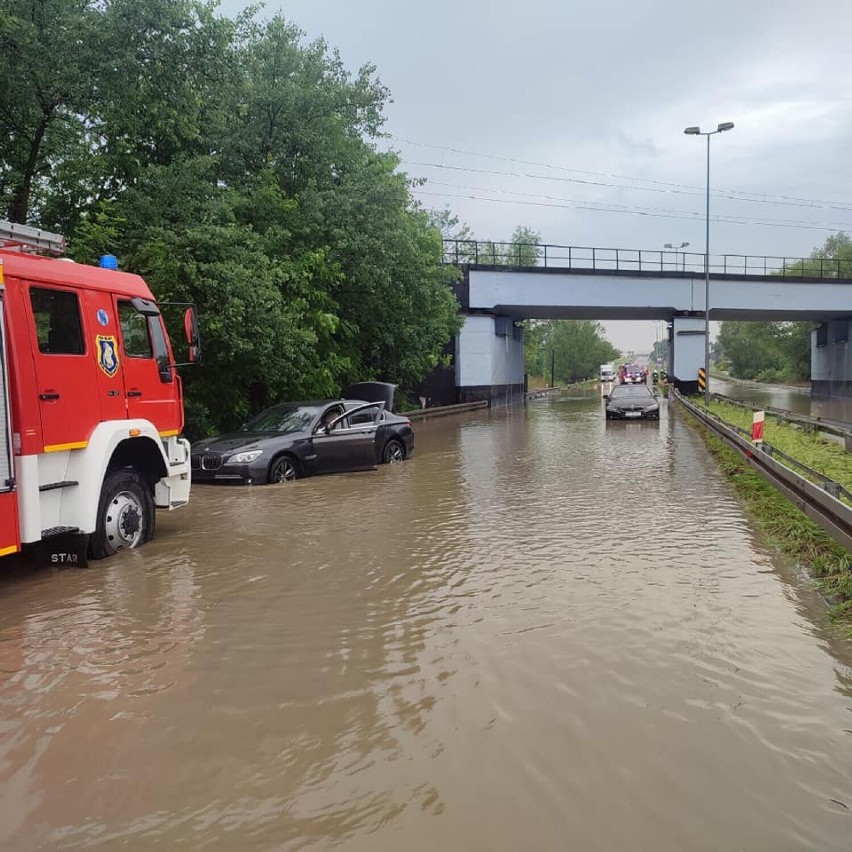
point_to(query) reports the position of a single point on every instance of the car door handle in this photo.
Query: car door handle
(134, 393)
(48, 396)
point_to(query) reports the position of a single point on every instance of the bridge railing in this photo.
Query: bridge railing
(583, 258)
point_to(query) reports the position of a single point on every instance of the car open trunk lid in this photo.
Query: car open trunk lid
(371, 392)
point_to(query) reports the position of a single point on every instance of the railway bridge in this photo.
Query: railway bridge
(502, 284)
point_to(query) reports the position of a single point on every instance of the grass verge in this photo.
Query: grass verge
(811, 448)
(786, 527)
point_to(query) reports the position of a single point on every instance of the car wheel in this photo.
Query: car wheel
(125, 514)
(393, 452)
(283, 470)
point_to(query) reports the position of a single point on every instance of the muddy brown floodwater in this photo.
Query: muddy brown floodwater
(543, 632)
(799, 400)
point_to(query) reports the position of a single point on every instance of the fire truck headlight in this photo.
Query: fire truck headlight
(246, 457)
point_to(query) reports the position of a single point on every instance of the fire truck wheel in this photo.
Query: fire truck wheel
(125, 514)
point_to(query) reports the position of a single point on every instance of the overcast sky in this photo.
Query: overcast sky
(607, 88)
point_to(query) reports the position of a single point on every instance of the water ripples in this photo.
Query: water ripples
(543, 630)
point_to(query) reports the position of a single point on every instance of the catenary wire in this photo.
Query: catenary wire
(586, 182)
(637, 208)
(584, 205)
(739, 195)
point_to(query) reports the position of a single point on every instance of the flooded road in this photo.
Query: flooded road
(542, 632)
(792, 399)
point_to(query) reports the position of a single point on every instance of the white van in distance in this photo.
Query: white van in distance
(607, 373)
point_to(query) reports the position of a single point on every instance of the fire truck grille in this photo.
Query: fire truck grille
(208, 461)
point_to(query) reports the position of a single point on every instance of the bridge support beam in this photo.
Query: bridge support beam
(489, 360)
(687, 353)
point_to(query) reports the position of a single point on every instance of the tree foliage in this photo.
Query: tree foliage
(234, 165)
(833, 259)
(781, 351)
(574, 348)
(522, 249)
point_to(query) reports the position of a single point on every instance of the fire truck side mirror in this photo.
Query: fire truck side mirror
(193, 337)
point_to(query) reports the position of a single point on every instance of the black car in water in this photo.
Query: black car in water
(295, 439)
(632, 402)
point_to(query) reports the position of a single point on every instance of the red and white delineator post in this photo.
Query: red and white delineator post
(757, 427)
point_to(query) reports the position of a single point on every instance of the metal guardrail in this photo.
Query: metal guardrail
(586, 258)
(542, 392)
(820, 502)
(811, 423)
(443, 410)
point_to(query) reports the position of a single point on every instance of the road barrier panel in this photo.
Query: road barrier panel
(443, 410)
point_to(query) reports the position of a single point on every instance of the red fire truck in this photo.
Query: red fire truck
(91, 405)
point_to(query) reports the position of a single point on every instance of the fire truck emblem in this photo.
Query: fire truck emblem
(107, 354)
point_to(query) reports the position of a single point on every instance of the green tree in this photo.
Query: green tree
(524, 247)
(48, 62)
(580, 348)
(236, 166)
(575, 348)
(460, 244)
(781, 351)
(751, 349)
(831, 260)
(536, 350)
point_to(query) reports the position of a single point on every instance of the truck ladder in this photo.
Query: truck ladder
(25, 237)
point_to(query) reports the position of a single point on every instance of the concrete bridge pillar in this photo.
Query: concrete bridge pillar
(831, 358)
(687, 352)
(489, 360)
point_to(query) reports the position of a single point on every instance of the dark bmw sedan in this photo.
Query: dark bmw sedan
(632, 402)
(295, 439)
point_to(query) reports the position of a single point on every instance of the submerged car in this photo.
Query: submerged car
(295, 439)
(632, 402)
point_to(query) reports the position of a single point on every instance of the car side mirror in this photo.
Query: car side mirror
(193, 336)
(606, 397)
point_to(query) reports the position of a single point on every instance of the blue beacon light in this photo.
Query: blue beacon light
(109, 261)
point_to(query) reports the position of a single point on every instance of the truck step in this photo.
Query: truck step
(48, 533)
(51, 485)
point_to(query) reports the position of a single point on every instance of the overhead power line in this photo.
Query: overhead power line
(584, 181)
(600, 208)
(738, 195)
(634, 207)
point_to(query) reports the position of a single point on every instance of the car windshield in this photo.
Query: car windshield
(283, 418)
(634, 391)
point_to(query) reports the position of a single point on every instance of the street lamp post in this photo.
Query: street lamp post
(676, 249)
(696, 131)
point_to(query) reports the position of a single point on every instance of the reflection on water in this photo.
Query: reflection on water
(791, 399)
(543, 631)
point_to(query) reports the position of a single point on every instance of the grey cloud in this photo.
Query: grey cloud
(609, 87)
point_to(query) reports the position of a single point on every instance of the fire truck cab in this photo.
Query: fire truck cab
(91, 405)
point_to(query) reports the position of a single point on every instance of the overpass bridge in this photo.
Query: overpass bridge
(504, 283)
